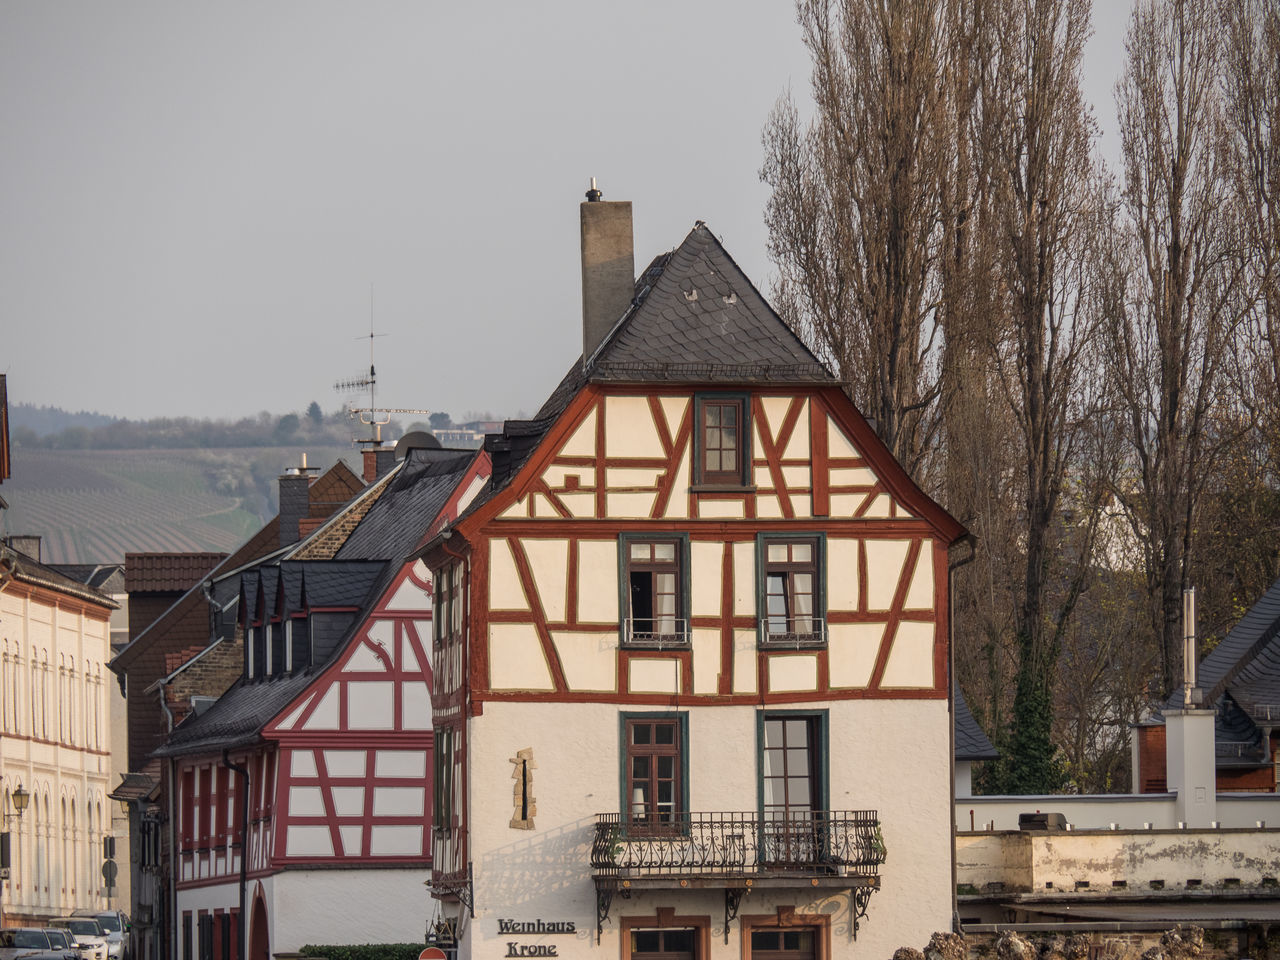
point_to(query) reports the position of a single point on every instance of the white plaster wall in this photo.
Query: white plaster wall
(348, 907)
(545, 873)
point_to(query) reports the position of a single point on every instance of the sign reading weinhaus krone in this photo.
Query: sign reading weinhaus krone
(507, 928)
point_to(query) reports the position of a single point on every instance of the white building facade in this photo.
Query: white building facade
(55, 741)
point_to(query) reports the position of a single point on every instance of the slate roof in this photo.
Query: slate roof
(361, 570)
(971, 742)
(414, 498)
(695, 318)
(31, 571)
(1241, 678)
(237, 718)
(96, 575)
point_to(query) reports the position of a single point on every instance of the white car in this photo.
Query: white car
(88, 933)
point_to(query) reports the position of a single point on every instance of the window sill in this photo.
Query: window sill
(651, 645)
(723, 488)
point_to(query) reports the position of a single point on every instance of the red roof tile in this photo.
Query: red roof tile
(167, 572)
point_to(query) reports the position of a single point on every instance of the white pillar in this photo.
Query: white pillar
(1190, 765)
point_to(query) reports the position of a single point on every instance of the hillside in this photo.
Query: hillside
(93, 506)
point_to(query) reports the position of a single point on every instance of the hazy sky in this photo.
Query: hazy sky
(195, 199)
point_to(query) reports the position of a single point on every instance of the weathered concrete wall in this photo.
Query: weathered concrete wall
(1094, 861)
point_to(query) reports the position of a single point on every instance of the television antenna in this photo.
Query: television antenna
(372, 416)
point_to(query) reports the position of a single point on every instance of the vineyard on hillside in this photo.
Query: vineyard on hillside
(93, 506)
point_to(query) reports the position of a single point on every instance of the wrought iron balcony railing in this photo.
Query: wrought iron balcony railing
(658, 632)
(801, 631)
(818, 843)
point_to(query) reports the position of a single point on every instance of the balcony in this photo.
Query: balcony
(737, 852)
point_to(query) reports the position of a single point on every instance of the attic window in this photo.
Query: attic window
(722, 455)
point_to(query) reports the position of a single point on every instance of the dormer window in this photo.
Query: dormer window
(277, 665)
(722, 454)
(298, 644)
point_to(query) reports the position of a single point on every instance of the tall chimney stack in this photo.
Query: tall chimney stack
(608, 267)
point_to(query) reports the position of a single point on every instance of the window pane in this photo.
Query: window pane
(729, 415)
(664, 551)
(713, 415)
(802, 552)
(640, 768)
(646, 941)
(797, 733)
(774, 795)
(666, 767)
(798, 791)
(777, 553)
(764, 940)
(642, 733)
(664, 733)
(666, 794)
(773, 763)
(639, 551)
(679, 941)
(773, 733)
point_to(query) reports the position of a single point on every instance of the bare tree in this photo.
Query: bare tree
(855, 214)
(1033, 137)
(1171, 342)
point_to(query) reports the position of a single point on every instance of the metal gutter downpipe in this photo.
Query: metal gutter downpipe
(952, 566)
(242, 934)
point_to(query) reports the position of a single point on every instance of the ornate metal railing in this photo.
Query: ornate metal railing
(733, 845)
(802, 631)
(658, 632)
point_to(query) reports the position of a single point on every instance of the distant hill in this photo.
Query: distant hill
(93, 506)
(44, 421)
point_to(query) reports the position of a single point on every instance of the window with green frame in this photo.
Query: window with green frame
(791, 580)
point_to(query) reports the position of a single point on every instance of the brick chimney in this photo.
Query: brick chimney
(377, 461)
(608, 267)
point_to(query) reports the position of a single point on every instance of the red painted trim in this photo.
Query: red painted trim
(709, 528)
(724, 682)
(887, 469)
(820, 469)
(895, 613)
(534, 599)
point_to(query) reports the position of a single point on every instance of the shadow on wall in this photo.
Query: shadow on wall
(547, 875)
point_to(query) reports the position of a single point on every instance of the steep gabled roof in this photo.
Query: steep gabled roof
(1248, 656)
(167, 572)
(1240, 678)
(697, 318)
(355, 574)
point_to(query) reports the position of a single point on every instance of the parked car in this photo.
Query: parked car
(88, 933)
(116, 925)
(64, 943)
(26, 943)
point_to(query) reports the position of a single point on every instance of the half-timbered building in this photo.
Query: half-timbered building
(317, 762)
(691, 651)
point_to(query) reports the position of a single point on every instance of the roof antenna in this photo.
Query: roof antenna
(372, 415)
(594, 195)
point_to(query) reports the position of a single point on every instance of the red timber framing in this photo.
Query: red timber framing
(909, 516)
(346, 779)
(211, 828)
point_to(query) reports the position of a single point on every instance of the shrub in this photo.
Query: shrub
(365, 951)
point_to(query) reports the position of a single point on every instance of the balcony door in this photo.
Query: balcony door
(792, 790)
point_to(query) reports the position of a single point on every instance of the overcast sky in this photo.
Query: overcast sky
(196, 199)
